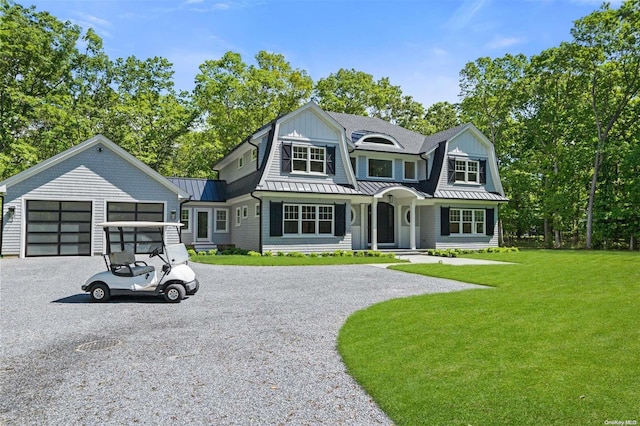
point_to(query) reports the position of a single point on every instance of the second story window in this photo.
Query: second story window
(466, 171)
(409, 170)
(380, 168)
(308, 159)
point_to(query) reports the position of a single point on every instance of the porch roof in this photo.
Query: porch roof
(307, 187)
(368, 187)
(201, 189)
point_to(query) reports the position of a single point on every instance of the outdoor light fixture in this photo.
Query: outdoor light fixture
(99, 149)
(173, 214)
(390, 199)
(11, 211)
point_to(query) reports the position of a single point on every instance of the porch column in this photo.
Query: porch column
(412, 225)
(363, 226)
(374, 224)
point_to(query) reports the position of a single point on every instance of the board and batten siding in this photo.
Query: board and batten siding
(466, 145)
(90, 175)
(304, 244)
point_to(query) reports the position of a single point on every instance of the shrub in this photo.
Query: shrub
(234, 251)
(359, 254)
(191, 252)
(296, 254)
(212, 252)
(348, 253)
(326, 254)
(338, 253)
(253, 253)
(313, 254)
(280, 253)
(268, 253)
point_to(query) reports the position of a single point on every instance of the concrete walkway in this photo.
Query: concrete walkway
(458, 261)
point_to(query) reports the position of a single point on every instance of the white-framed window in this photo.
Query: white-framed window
(410, 170)
(378, 168)
(254, 154)
(256, 211)
(238, 216)
(240, 161)
(308, 159)
(466, 221)
(303, 219)
(467, 171)
(354, 164)
(185, 216)
(221, 220)
(245, 212)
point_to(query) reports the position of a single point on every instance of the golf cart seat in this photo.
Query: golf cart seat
(124, 264)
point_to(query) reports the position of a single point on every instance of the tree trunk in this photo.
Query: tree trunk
(558, 239)
(500, 233)
(631, 243)
(592, 197)
(546, 232)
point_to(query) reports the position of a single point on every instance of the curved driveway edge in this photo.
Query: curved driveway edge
(256, 345)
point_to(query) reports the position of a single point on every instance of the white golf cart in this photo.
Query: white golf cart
(127, 276)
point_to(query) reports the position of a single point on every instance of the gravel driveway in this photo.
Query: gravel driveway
(256, 345)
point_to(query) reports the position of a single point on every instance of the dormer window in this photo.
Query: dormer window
(362, 137)
(464, 170)
(380, 168)
(467, 171)
(308, 159)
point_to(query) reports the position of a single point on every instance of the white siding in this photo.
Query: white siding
(89, 175)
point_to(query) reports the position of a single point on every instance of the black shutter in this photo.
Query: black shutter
(483, 171)
(286, 157)
(444, 221)
(331, 162)
(490, 218)
(275, 219)
(452, 170)
(341, 217)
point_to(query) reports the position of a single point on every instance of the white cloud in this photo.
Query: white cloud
(500, 42)
(465, 13)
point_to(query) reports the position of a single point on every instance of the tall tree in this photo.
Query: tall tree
(441, 116)
(356, 92)
(608, 56)
(236, 99)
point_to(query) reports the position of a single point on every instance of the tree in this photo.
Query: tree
(356, 92)
(441, 116)
(235, 99)
(608, 56)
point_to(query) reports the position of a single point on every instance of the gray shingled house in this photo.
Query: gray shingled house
(309, 181)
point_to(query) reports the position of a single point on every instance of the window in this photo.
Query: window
(410, 170)
(466, 221)
(254, 154)
(184, 219)
(467, 171)
(238, 216)
(308, 159)
(308, 219)
(380, 168)
(353, 165)
(222, 224)
(240, 162)
(245, 212)
(257, 210)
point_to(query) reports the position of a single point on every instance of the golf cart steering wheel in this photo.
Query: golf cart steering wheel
(155, 252)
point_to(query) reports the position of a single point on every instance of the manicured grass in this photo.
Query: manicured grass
(556, 341)
(290, 261)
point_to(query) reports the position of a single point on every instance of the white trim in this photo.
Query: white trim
(245, 211)
(256, 210)
(363, 140)
(393, 168)
(415, 170)
(241, 161)
(215, 221)
(238, 216)
(197, 210)
(189, 210)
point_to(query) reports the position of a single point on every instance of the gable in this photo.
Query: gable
(307, 125)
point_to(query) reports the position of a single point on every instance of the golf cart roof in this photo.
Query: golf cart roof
(138, 224)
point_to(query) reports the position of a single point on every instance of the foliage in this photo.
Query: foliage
(286, 260)
(556, 342)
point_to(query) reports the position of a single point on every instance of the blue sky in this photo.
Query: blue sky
(420, 45)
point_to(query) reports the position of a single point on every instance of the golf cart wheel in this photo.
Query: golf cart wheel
(174, 293)
(100, 292)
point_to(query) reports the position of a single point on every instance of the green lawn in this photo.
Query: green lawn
(556, 341)
(289, 261)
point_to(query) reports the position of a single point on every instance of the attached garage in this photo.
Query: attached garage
(54, 208)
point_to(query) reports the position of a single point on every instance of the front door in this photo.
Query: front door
(203, 230)
(386, 223)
